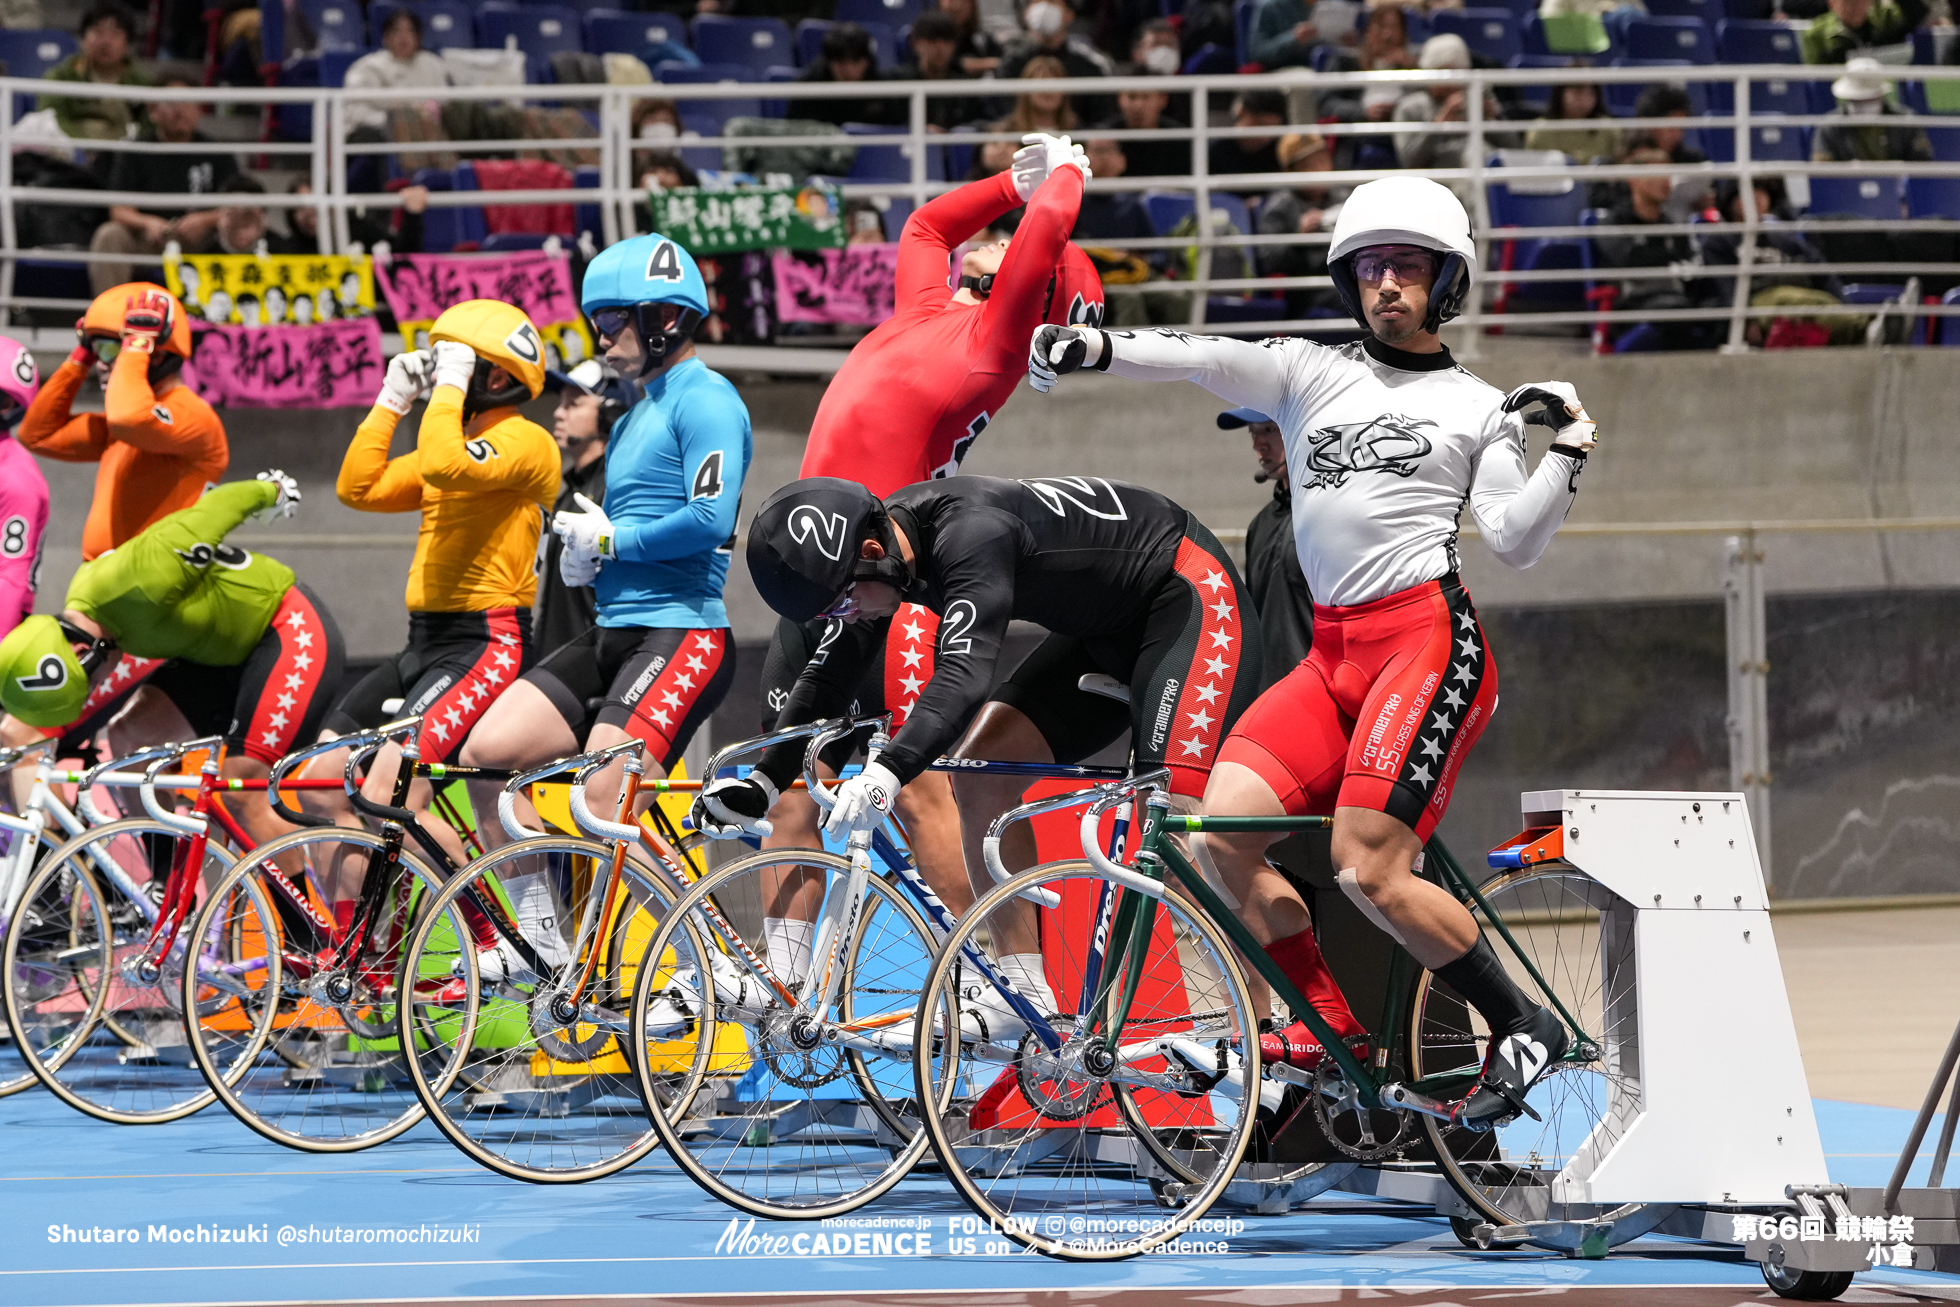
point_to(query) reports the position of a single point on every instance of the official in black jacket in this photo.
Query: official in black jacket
(1273, 578)
(590, 399)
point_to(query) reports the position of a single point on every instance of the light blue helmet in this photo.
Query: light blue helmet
(651, 282)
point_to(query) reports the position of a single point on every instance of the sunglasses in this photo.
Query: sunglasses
(105, 348)
(610, 322)
(1371, 267)
(845, 606)
(91, 651)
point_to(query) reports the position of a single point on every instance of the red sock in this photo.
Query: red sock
(1299, 957)
(343, 915)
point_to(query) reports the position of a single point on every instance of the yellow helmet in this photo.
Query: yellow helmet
(502, 336)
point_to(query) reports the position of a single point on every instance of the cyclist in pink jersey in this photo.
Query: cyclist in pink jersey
(23, 490)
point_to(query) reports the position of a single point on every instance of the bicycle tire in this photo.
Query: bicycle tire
(831, 1163)
(1505, 1175)
(100, 1068)
(14, 1081)
(337, 1087)
(1089, 1197)
(482, 1064)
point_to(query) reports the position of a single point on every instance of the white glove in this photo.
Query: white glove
(588, 532)
(409, 379)
(732, 807)
(288, 496)
(455, 364)
(1041, 154)
(576, 569)
(863, 802)
(1058, 350)
(1572, 431)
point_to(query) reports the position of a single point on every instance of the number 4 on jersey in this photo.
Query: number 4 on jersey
(707, 478)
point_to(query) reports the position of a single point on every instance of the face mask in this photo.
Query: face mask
(1865, 108)
(657, 129)
(1045, 19)
(1161, 60)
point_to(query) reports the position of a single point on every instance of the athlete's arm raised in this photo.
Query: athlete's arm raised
(50, 431)
(1517, 514)
(136, 417)
(504, 457)
(714, 442)
(937, 228)
(371, 481)
(1237, 371)
(1020, 295)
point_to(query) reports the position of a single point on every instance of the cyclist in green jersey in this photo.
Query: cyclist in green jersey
(238, 644)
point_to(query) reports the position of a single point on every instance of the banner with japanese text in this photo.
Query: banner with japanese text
(324, 365)
(750, 218)
(246, 290)
(418, 287)
(855, 285)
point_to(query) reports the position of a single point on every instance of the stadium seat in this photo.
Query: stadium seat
(446, 24)
(337, 24)
(1738, 41)
(1493, 33)
(1515, 208)
(707, 116)
(810, 34)
(1686, 39)
(1862, 197)
(512, 241)
(1945, 142)
(1537, 98)
(754, 43)
(30, 53)
(1774, 143)
(1416, 22)
(1243, 12)
(1933, 197)
(1621, 97)
(586, 217)
(892, 13)
(540, 31)
(653, 39)
(1949, 328)
(889, 163)
(1708, 11)
(1166, 209)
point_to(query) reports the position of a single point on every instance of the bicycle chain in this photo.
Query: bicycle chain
(1324, 1116)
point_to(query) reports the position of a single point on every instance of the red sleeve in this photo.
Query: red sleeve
(1020, 295)
(932, 233)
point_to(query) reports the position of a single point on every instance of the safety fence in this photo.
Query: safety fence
(1536, 234)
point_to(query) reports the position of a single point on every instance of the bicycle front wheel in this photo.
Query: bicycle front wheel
(1032, 1134)
(299, 1041)
(99, 1021)
(528, 1071)
(1579, 938)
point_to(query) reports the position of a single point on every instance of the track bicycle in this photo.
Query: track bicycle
(1154, 961)
(815, 1117)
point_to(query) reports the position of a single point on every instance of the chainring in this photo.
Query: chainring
(1324, 1115)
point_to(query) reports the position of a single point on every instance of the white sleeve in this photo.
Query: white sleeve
(1237, 371)
(1518, 515)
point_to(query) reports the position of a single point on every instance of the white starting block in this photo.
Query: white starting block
(1709, 1103)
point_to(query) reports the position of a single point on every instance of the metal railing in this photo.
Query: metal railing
(326, 153)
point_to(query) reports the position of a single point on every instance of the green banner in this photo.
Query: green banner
(750, 218)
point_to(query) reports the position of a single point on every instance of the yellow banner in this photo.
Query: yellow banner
(277, 290)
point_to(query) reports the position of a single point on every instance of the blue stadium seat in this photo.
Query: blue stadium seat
(446, 24)
(810, 33)
(336, 23)
(1243, 12)
(1949, 328)
(1773, 143)
(754, 43)
(1740, 41)
(893, 13)
(1166, 209)
(334, 65)
(1933, 197)
(653, 39)
(1670, 38)
(1537, 98)
(1493, 33)
(30, 53)
(1925, 46)
(1621, 97)
(1946, 143)
(586, 217)
(1863, 197)
(707, 116)
(1709, 11)
(470, 224)
(1870, 292)
(511, 241)
(1511, 208)
(889, 163)
(1415, 22)
(540, 31)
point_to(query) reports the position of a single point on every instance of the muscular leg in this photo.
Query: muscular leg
(379, 787)
(522, 729)
(1434, 927)
(17, 734)
(930, 815)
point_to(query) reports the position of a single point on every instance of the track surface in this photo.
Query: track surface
(650, 1231)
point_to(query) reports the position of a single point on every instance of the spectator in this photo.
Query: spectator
(239, 228)
(1855, 26)
(139, 231)
(1042, 111)
(1384, 47)
(935, 45)
(1303, 209)
(400, 228)
(847, 57)
(1048, 22)
(400, 64)
(1645, 205)
(1576, 102)
(1667, 100)
(1144, 111)
(1865, 137)
(669, 172)
(657, 123)
(1110, 215)
(975, 47)
(1283, 34)
(1250, 154)
(991, 159)
(1442, 103)
(1274, 580)
(1154, 53)
(1776, 245)
(106, 32)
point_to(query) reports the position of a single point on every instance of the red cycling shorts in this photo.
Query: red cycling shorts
(1381, 714)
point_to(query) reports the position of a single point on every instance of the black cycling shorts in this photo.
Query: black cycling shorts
(454, 666)
(658, 683)
(1192, 664)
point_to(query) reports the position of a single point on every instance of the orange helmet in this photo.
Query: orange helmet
(105, 316)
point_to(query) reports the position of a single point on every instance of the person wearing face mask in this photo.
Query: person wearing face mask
(591, 400)
(1155, 50)
(1047, 23)
(1872, 130)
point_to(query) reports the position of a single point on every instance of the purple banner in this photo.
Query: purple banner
(328, 365)
(852, 285)
(418, 287)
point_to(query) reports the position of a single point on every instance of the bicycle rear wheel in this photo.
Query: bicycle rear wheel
(1034, 1139)
(797, 1115)
(520, 1081)
(302, 1050)
(15, 871)
(101, 1030)
(1579, 937)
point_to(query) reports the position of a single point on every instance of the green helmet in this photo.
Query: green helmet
(41, 680)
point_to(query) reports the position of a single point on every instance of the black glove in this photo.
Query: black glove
(1573, 432)
(733, 807)
(1046, 361)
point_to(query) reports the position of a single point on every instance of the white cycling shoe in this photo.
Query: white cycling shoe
(986, 1019)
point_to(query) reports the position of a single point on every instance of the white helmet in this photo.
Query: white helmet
(1405, 211)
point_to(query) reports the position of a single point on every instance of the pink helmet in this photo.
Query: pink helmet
(19, 382)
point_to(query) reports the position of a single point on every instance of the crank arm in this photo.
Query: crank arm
(1407, 1099)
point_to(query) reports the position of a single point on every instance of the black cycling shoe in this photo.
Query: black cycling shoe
(1515, 1062)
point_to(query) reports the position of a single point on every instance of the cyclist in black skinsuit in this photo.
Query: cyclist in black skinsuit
(1128, 583)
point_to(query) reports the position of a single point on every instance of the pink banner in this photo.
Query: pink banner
(853, 285)
(328, 365)
(418, 287)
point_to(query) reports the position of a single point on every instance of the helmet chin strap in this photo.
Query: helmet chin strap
(982, 286)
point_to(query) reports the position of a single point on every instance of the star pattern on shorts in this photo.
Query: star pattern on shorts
(1207, 693)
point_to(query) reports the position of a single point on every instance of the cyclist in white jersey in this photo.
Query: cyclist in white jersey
(1387, 441)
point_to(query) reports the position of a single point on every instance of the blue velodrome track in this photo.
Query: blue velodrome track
(650, 1233)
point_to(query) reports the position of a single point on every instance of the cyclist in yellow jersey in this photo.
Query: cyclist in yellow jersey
(484, 479)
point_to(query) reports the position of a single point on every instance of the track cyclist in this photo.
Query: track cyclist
(23, 490)
(907, 406)
(232, 640)
(1386, 441)
(1129, 585)
(483, 477)
(656, 553)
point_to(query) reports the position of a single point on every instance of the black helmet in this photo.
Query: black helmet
(804, 546)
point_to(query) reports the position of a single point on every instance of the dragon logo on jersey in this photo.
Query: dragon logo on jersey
(1093, 495)
(1391, 443)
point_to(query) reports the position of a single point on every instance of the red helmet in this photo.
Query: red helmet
(1076, 297)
